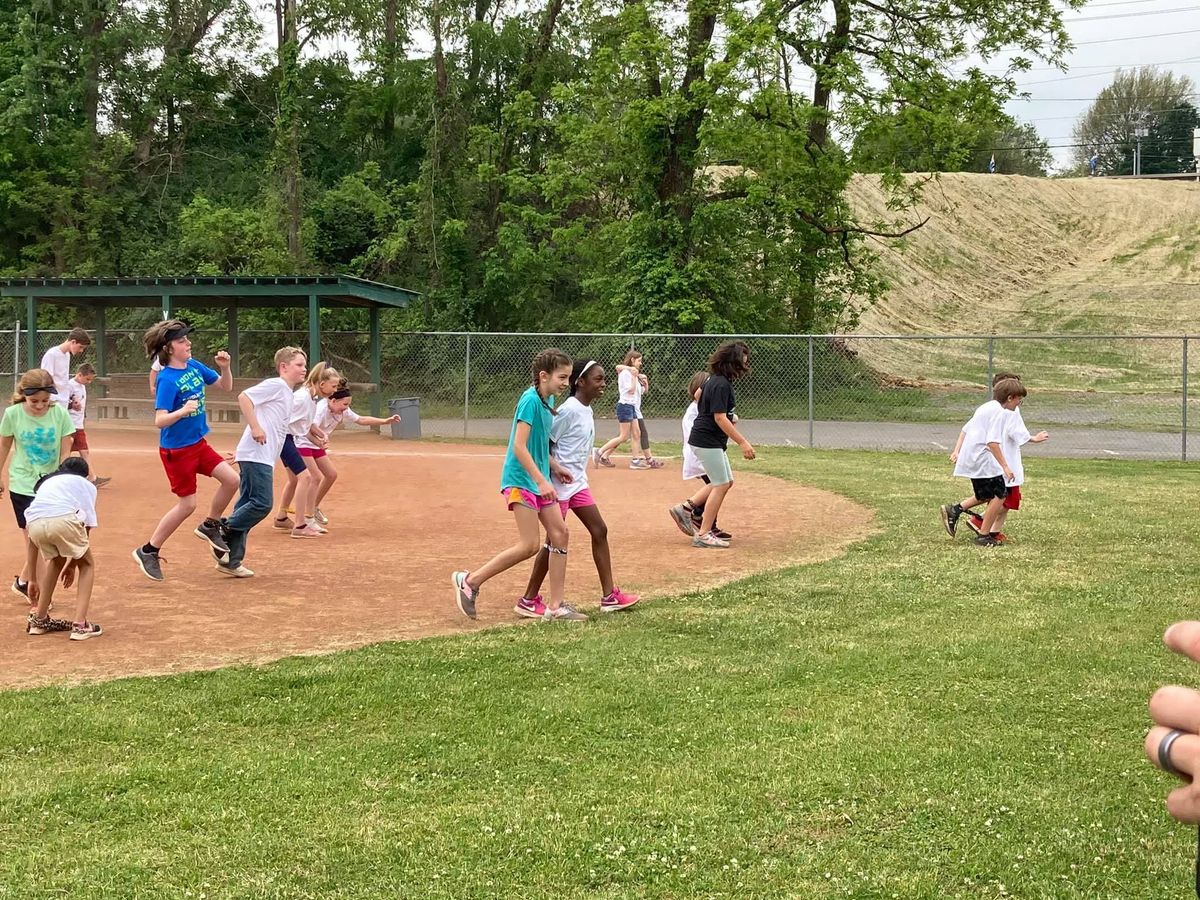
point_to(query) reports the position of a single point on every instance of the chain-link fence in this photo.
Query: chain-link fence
(1097, 395)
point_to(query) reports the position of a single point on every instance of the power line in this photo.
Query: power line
(1070, 99)
(1130, 15)
(1189, 59)
(1105, 115)
(1137, 37)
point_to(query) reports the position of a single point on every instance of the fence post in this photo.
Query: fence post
(810, 392)
(16, 352)
(467, 390)
(991, 362)
(1183, 445)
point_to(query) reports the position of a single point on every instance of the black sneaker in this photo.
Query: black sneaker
(987, 540)
(721, 533)
(21, 590)
(950, 513)
(215, 536)
(149, 564)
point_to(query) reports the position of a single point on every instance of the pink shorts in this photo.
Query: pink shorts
(314, 452)
(577, 501)
(515, 496)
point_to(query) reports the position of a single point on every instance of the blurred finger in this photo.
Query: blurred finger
(1184, 638)
(1183, 804)
(1173, 750)
(1176, 707)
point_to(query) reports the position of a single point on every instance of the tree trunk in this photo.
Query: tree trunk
(838, 43)
(289, 125)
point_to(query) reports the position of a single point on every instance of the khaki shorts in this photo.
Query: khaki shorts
(59, 536)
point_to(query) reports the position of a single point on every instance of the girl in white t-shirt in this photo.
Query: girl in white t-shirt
(301, 471)
(571, 437)
(629, 388)
(331, 412)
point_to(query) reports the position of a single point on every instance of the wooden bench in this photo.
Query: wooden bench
(125, 396)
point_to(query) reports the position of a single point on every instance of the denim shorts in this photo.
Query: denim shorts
(626, 412)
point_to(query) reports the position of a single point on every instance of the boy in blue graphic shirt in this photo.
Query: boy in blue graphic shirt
(179, 414)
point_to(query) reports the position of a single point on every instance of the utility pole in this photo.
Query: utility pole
(1196, 150)
(1140, 131)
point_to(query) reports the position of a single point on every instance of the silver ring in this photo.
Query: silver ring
(1164, 753)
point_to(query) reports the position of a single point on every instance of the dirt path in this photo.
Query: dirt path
(402, 517)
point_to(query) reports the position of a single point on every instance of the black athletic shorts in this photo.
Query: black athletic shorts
(20, 503)
(987, 488)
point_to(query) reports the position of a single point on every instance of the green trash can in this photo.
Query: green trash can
(409, 411)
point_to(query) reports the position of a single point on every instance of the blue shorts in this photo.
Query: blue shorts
(626, 412)
(291, 457)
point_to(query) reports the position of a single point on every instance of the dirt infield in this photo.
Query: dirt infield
(402, 516)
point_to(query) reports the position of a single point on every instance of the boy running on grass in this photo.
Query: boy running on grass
(267, 409)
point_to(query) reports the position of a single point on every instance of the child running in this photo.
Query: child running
(689, 514)
(331, 413)
(526, 488)
(712, 431)
(267, 409)
(302, 472)
(36, 431)
(571, 438)
(179, 414)
(77, 409)
(627, 414)
(60, 520)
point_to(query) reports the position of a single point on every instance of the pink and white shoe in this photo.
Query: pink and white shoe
(531, 608)
(709, 540)
(618, 600)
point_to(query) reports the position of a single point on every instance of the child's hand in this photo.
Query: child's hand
(190, 406)
(1040, 436)
(748, 450)
(68, 575)
(222, 358)
(546, 490)
(391, 420)
(259, 435)
(953, 456)
(560, 473)
(1008, 475)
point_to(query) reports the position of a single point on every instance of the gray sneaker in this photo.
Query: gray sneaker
(566, 613)
(216, 540)
(464, 595)
(149, 563)
(683, 518)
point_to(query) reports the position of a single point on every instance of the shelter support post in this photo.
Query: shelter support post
(376, 361)
(31, 346)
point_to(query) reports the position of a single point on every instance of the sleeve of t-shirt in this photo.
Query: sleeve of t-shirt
(999, 426)
(89, 513)
(527, 408)
(166, 392)
(720, 399)
(265, 390)
(210, 376)
(300, 407)
(7, 429)
(625, 381)
(156, 366)
(350, 415)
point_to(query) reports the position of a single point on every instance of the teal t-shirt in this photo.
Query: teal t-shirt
(530, 409)
(37, 442)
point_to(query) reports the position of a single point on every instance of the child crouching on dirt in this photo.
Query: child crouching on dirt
(58, 522)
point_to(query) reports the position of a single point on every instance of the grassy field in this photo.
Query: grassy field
(918, 718)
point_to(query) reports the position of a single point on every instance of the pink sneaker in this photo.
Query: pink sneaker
(617, 601)
(531, 609)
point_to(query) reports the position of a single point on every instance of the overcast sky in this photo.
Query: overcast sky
(1107, 35)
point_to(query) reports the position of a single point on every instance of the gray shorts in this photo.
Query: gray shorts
(716, 464)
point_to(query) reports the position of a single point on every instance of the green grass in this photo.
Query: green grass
(917, 718)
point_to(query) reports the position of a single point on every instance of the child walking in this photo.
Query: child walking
(302, 474)
(267, 409)
(571, 438)
(77, 410)
(526, 488)
(628, 388)
(712, 431)
(36, 432)
(57, 361)
(179, 414)
(689, 514)
(331, 412)
(60, 520)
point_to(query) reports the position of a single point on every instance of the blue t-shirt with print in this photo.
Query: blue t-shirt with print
(531, 410)
(173, 389)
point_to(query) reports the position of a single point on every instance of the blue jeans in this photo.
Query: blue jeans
(253, 505)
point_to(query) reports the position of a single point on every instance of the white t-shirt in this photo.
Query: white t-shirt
(974, 458)
(58, 363)
(304, 412)
(77, 393)
(327, 420)
(572, 434)
(156, 366)
(1015, 434)
(692, 468)
(272, 401)
(64, 495)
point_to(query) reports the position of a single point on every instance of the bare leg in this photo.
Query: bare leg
(306, 490)
(556, 537)
(526, 548)
(969, 502)
(700, 498)
(713, 506)
(176, 516)
(289, 493)
(50, 572)
(995, 505)
(329, 476)
(227, 488)
(618, 440)
(29, 571)
(541, 565)
(85, 570)
(1001, 519)
(601, 555)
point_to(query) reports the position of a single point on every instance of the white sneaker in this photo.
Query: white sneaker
(321, 518)
(239, 572)
(566, 613)
(709, 540)
(316, 526)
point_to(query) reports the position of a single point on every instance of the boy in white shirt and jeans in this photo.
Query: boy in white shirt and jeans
(267, 408)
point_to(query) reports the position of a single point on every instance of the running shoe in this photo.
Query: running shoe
(683, 519)
(239, 572)
(34, 625)
(464, 595)
(655, 463)
(212, 534)
(638, 463)
(20, 588)
(150, 563)
(304, 533)
(283, 523)
(566, 613)
(531, 608)
(618, 600)
(320, 516)
(709, 540)
(81, 631)
(950, 513)
(987, 540)
(316, 526)
(602, 461)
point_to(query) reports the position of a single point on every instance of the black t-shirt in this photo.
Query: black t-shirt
(716, 397)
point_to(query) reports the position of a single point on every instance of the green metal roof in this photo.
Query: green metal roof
(241, 290)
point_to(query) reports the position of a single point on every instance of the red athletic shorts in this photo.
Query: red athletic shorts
(183, 464)
(79, 441)
(1013, 500)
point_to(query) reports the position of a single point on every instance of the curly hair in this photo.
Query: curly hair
(731, 359)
